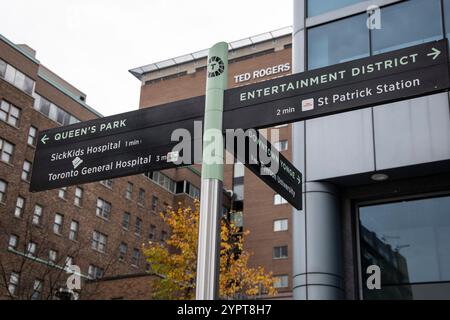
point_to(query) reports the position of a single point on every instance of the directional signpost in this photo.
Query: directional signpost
(141, 141)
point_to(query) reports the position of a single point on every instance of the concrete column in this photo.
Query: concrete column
(317, 270)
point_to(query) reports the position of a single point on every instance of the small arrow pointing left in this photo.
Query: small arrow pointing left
(44, 139)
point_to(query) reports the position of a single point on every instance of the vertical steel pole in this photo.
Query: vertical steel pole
(208, 257)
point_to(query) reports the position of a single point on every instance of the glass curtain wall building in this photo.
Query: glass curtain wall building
(402, 223)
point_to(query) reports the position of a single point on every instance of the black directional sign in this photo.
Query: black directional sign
(116, 146)
(384, 78)
(266, 162)
(140, 141)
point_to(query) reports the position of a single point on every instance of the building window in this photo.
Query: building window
(410, 241)
(237, 218)
(95, 272)
(107, 183)
(338, 42)
(32, 135)
(62, 193)
(123, 251)
(152, 232)
(78, 201)
(20, 205)
(317, 7)
(3, 186)
(193, 191)
(13, 285)
(138, 228)
(13, 242)
(37, 290)
(141, 196)
(129, 191)
(73, 234)
(103, 209)
(18, 79)
(447, 17)
(58, 224)
(163, 236)
(281, 281)
(154, 203)
(69, 262)
(126, 221)
(7, 150)
(163, 180)
(136, 257)
(9, 113)
(31, 248)
(280, 252)
(282, 145)
(52, 256)
(238, 170)
(26, 171)
(99, 241)
(400, 33)
(37, 215)
(279, 200)
(52, 111)
(2, 68)
(280, 225)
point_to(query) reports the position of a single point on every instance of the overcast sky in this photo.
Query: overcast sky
(93, 43)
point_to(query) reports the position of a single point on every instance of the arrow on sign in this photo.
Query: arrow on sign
(299, 180)
(435, 53)
(44, 139)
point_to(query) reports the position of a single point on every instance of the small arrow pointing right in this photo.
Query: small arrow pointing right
(44, 139)
(435, 53)
(299, 180)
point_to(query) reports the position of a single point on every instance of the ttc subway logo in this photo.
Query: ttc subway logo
(215, 67)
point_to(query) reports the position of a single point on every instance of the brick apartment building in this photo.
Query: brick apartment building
(257, 208)
(99, 227)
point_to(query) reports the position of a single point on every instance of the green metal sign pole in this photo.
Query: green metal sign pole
(208, 257)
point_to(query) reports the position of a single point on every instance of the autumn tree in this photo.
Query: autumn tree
(175, 261)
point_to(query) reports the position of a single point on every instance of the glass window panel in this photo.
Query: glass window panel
(2, 68)
(73, 120)
(28, 85)
(239, 170)
(19, 80)
(32, 136)
(425, 291)
(447, 17)
(44, 106)
(409, 240)
(237, 218)
(338, 42)
(5, 106)
(281, 281)
(53, 113)
(316, 7)
(406, 24)
(238, 190)
(13, 241)
(10, 73)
